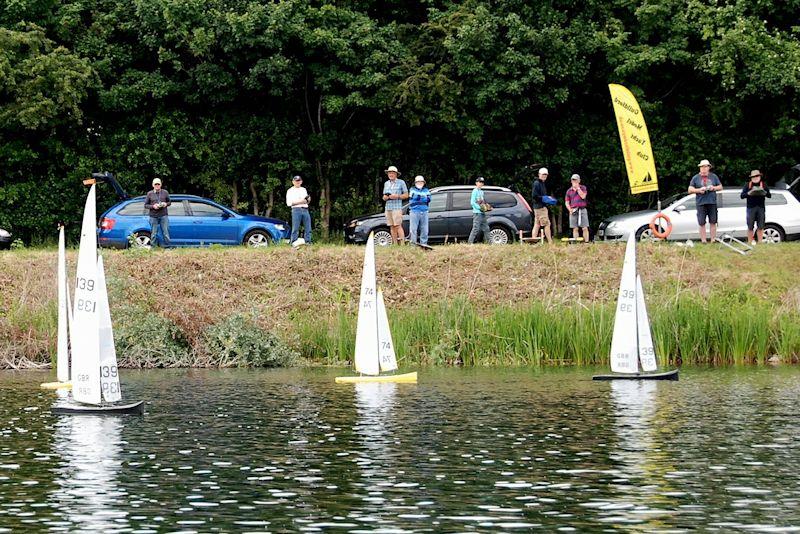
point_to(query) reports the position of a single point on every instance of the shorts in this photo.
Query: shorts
(755, 215)
(580, 219)
(542, 217)
(394, 217)
(706, 211)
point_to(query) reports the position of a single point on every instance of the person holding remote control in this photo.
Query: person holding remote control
(705, 185)
(157, 201)
(755, 191)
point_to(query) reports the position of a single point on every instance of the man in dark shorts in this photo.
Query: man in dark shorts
(705, 185)
(755, 191)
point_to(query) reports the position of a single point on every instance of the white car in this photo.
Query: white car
(782, 218)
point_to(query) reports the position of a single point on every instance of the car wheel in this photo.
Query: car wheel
(773, 234)
(141, 239)
(500, 235)
(257, 238)
(382, 237)
(644, 234)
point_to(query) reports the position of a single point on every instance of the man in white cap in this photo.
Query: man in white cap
(576, 203)
(419, 199)
(394, 192)
(540, 213)
(705, 185)
(157, 202)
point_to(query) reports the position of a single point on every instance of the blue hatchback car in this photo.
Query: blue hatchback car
(193, 221)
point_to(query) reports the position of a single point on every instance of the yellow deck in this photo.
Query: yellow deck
(56, 385)
(408, 377)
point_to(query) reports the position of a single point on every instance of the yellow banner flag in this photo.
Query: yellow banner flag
(635, 141)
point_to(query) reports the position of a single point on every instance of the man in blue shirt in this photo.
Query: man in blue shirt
(394, 192)
(705, 185)
(480, 216)
(420, 198)
(541, 215)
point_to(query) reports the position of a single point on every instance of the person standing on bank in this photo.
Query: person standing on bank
(394, 192)
(755, 191)
(576, 203)
(540, 212)
(420, 198)
(157, 201)
(297, 198)
(705, 185)
(480, 215)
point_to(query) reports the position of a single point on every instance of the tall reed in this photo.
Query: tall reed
(731, 329)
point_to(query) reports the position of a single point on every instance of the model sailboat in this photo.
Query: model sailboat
(64, 320)
(374, 348)
(632, 347)
(95, 379)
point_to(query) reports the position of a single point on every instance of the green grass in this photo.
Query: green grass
(729, 329)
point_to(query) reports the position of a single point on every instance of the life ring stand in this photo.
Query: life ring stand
(655, 228)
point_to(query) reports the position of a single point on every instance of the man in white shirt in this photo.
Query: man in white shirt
(297, 198)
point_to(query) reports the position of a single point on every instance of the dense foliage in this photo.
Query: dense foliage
(228, 98)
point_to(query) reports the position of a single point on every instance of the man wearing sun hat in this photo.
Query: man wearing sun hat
(394, 192)
(419, 199)
(705, 185)
(157, 201)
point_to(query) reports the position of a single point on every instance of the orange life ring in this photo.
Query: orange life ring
(656, 230)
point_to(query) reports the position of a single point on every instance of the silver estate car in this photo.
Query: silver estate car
(782, 218)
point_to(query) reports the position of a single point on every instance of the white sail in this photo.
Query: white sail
(647, 352)
(387, 357)
(62, 353)
(109, 377)
(366, 356)
(624, 351)
(85, 338)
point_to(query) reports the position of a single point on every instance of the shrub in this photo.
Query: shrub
(237, 341)
(145, 339)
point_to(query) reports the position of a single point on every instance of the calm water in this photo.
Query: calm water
(482, 450)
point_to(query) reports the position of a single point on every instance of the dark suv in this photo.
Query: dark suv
(450, 218)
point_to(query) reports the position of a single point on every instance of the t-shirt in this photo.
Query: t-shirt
(293, 194)
(419, 199)
(709, 197)
(398, 187)
(574, 199)
(539, 190)
(476, 200)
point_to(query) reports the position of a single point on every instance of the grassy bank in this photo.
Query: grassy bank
(456, 305)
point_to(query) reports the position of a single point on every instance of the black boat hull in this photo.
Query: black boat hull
(667, 375)
(136, 408)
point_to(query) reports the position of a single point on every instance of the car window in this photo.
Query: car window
(201, 209)
(134, 208)
(177, 209)
(438, 202)
(500, 199)
(461, 200)
(778, 199)
(732, 199)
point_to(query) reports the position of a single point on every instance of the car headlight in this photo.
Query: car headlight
(611, 225)
(353, 224)
(4, 233)
(280, 227)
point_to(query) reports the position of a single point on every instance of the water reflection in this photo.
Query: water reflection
(88, 495)
(640, 455)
